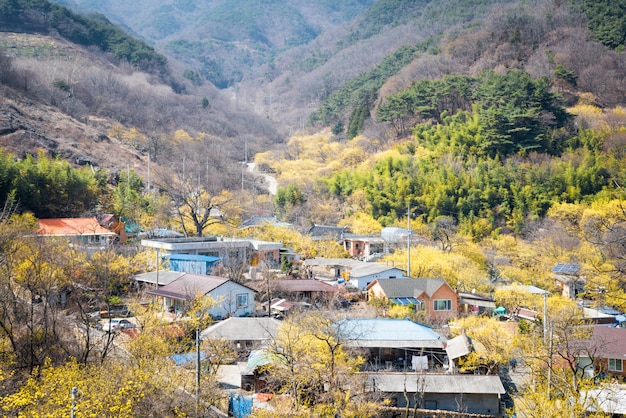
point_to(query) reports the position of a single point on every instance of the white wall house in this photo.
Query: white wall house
(354, 272)
(232, 299)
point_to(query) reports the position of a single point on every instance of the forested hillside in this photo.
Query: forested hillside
(487, 91)
(85, 93)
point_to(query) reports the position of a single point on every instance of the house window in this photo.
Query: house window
(420, 306)
(242, 300)
(615, 365)
(442, 305)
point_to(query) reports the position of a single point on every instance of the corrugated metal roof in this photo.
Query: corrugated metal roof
(389, 332)
(163, 277)
(394, 234)
(435, 383)
(477, 302)
(609, 399)
(458, 346)
(523, 288)
(238, 329)
(368, 269)
(263, 220)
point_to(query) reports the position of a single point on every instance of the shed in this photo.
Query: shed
(473, 394)
(191, 263)
(398, 344)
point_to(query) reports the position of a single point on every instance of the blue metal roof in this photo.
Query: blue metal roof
(390, 329)
(192, 257)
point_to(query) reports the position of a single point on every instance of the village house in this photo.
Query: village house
(604, 352)
(568, 279)
(432, 296)
(256, 254)
(355, 273)
(364, 247)
(156, 279)
(296, 290)
(79, 231)
(231, 299)
(321, 232)
(472, 303)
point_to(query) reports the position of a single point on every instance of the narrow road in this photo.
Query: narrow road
(270, 181)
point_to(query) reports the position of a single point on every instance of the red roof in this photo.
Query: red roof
(609, 342)
(71, 227)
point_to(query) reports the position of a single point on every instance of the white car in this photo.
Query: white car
(117, 324)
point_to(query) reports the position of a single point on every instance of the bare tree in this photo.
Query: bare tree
(444, 229)
(193, 204)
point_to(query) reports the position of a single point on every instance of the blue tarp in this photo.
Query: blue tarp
(240, 406)
(186, 358)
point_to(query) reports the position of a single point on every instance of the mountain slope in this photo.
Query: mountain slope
(343, 70)
(225, 41)
(79, 104)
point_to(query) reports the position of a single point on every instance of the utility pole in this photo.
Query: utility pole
(73, 410)
(197, 370)
(547, 340)
(550, 348)
(243, 166)
(408, 241)
(545, 317)
(158, 258)
(148, 172)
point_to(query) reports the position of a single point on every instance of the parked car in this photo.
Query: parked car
(117, 324)
(119, 311)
